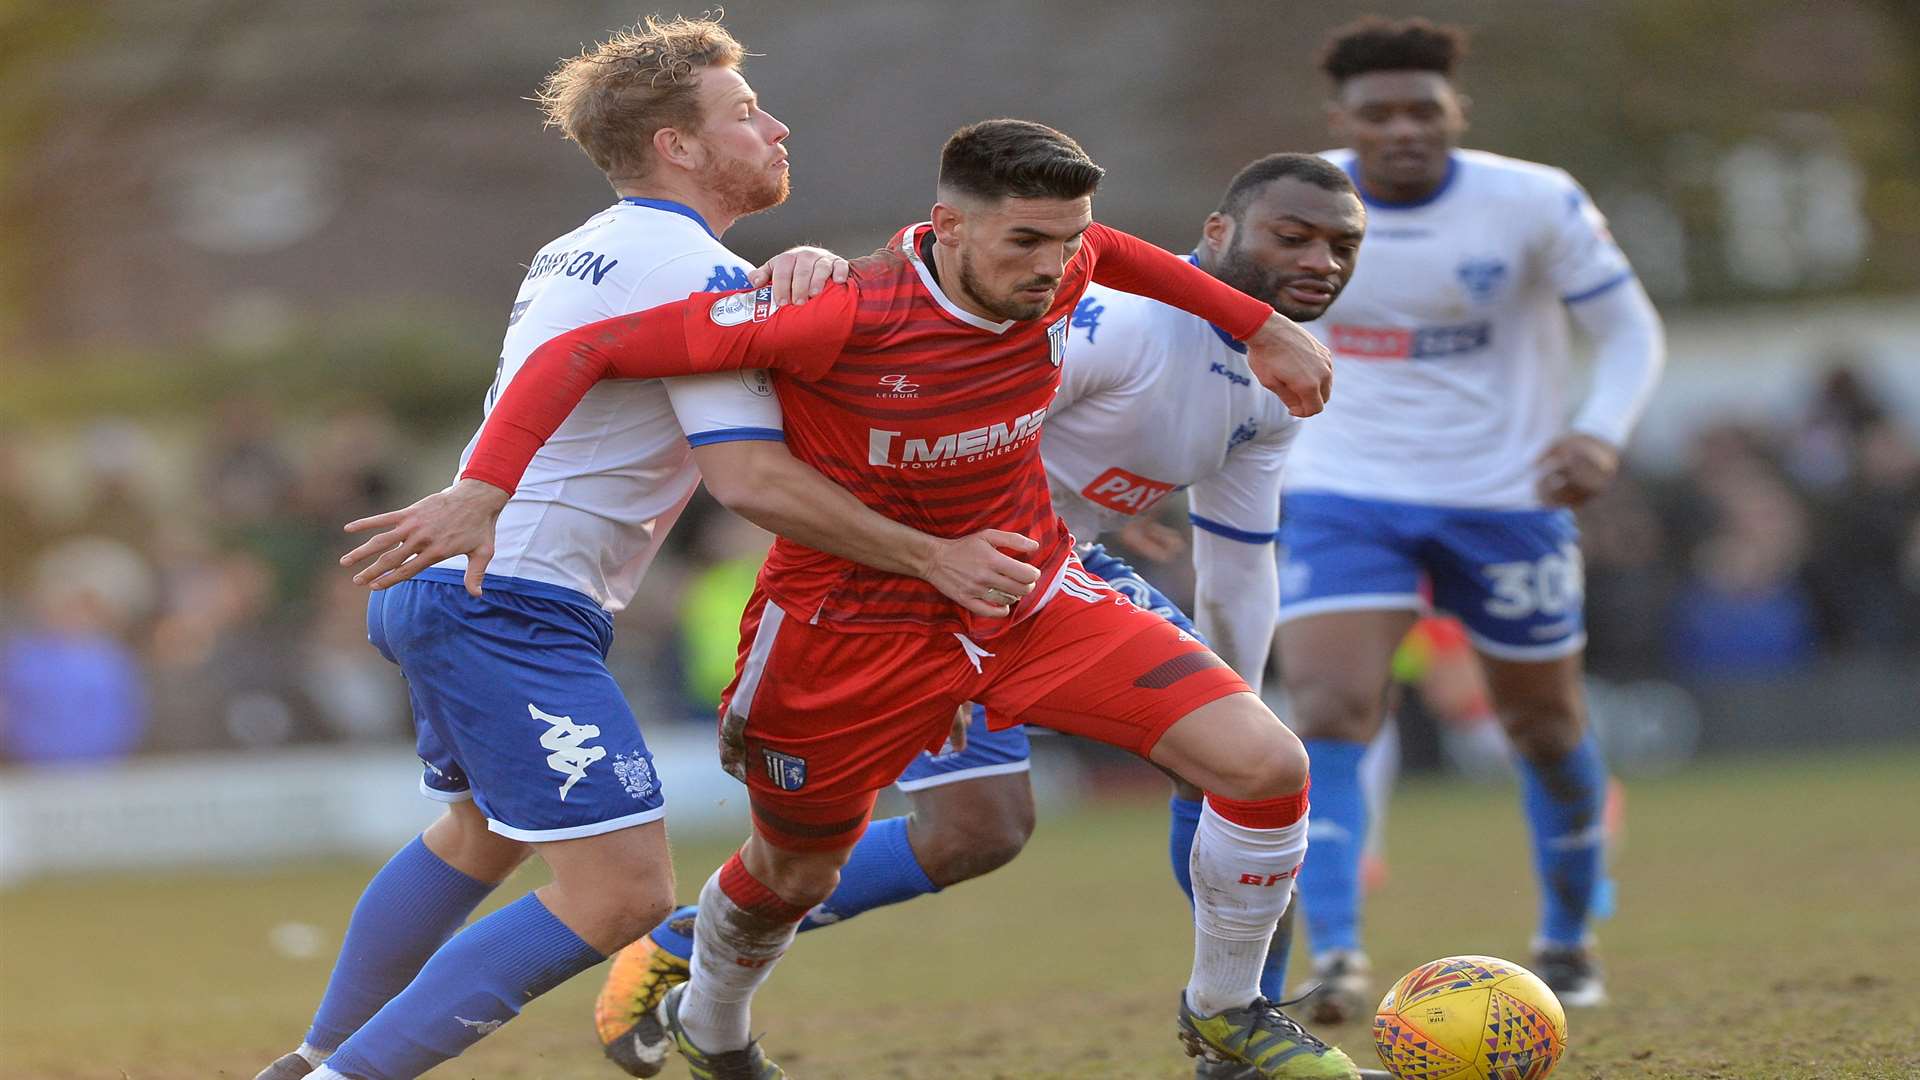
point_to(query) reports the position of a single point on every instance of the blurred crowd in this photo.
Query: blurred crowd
(180, 589)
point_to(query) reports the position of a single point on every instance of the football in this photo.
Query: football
(1470, 1018)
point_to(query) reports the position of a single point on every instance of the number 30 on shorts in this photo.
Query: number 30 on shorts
(1551, 585)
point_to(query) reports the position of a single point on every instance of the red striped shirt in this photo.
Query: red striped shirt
(928, 414)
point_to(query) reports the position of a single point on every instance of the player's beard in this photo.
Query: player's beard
(1237, 269)
(1008, 308)
(745, 188)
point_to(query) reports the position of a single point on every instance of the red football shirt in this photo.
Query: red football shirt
(927, 413)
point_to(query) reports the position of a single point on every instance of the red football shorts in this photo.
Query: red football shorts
(817, 721)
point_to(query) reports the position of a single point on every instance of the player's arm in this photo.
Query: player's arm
(1235, 515)
(706, 332)
(1285, 358)
(759, 480)
(1607, 302)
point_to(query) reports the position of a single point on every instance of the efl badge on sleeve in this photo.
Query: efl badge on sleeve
(787, 772)
(739, 309)
(1057, 339)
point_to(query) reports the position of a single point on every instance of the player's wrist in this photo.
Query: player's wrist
(474, 489)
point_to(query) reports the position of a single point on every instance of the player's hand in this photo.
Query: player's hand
(1576, 468)
(457, 521)
(1293, 364)
(1152, 539)
(975, 572)
(799, 274)
(962, 719)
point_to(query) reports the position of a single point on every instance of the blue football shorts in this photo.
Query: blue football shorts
(993, 753)
(1512, 577)
(513, 706)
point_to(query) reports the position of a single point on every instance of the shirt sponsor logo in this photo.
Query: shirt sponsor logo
(739, 309)
(1409, 343)
(889, 449)
(1129, 493)
(898, 386)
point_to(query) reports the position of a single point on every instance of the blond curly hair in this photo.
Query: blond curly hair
(615, 95)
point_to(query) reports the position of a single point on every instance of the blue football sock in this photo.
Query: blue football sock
(409, 909)
(478, 980)
(882, 870)
(1329, 885)
(1273, 972)
(1564, 803)
(1184, 820)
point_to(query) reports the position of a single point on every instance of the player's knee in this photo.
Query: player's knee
(1325, 708)
(461, 839)
(800, 879)
(1545, 731)
(636, 911)
(957, 849)
(1274, 770)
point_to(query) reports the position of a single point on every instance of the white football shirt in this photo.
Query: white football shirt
(1153, 400)
(1451, 344)
(599, 497)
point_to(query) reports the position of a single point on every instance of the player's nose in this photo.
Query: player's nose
(778, 132)
(1318, 259)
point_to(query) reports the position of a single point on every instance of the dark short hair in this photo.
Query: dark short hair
(1020, 159)
(1376, 44)
(1306, 168)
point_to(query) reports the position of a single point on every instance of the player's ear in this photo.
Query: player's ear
(1218, 232)
(674, 148)
(947, 223)
(1466, 110)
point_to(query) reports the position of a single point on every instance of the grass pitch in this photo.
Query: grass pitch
(1769, 927)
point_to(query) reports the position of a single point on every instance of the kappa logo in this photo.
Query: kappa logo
(788, 773)
(739, 309)
(566, 742)
(725, 278)
(898, 386)
(1087, 317)
(481, 1027)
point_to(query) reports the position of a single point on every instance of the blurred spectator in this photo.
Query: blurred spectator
(70, 689)
(1629, 573)
(1865, 521)
(1820, 453)
(711, 606)
(1743, 611)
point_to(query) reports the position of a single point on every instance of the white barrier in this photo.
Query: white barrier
(240, 808)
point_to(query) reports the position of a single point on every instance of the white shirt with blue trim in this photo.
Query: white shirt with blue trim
(1452, 352)
(599, 497)
(1154, 400)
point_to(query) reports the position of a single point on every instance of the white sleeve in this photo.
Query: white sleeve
(1630, 349)
(1579, 255)
(726, 406)
(1236, 516)
(1102, 346)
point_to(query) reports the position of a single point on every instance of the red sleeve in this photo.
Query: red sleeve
(704, 333)
(1130, 264)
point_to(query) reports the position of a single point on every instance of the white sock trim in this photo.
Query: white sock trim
(313, 1055)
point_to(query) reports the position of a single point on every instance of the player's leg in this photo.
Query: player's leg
(972, 812)
(1564, 790)
(555, 759)
(816, 723)
(423, 894)
(1335, 669)
(1514, 579)
(1349, 588)
(1094, 666)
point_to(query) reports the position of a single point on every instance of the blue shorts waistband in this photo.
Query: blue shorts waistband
(518, 586)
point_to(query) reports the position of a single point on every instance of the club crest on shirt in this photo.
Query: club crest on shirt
(787, 772)
(1057, 339)
(739, 309)
(1482, 277)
